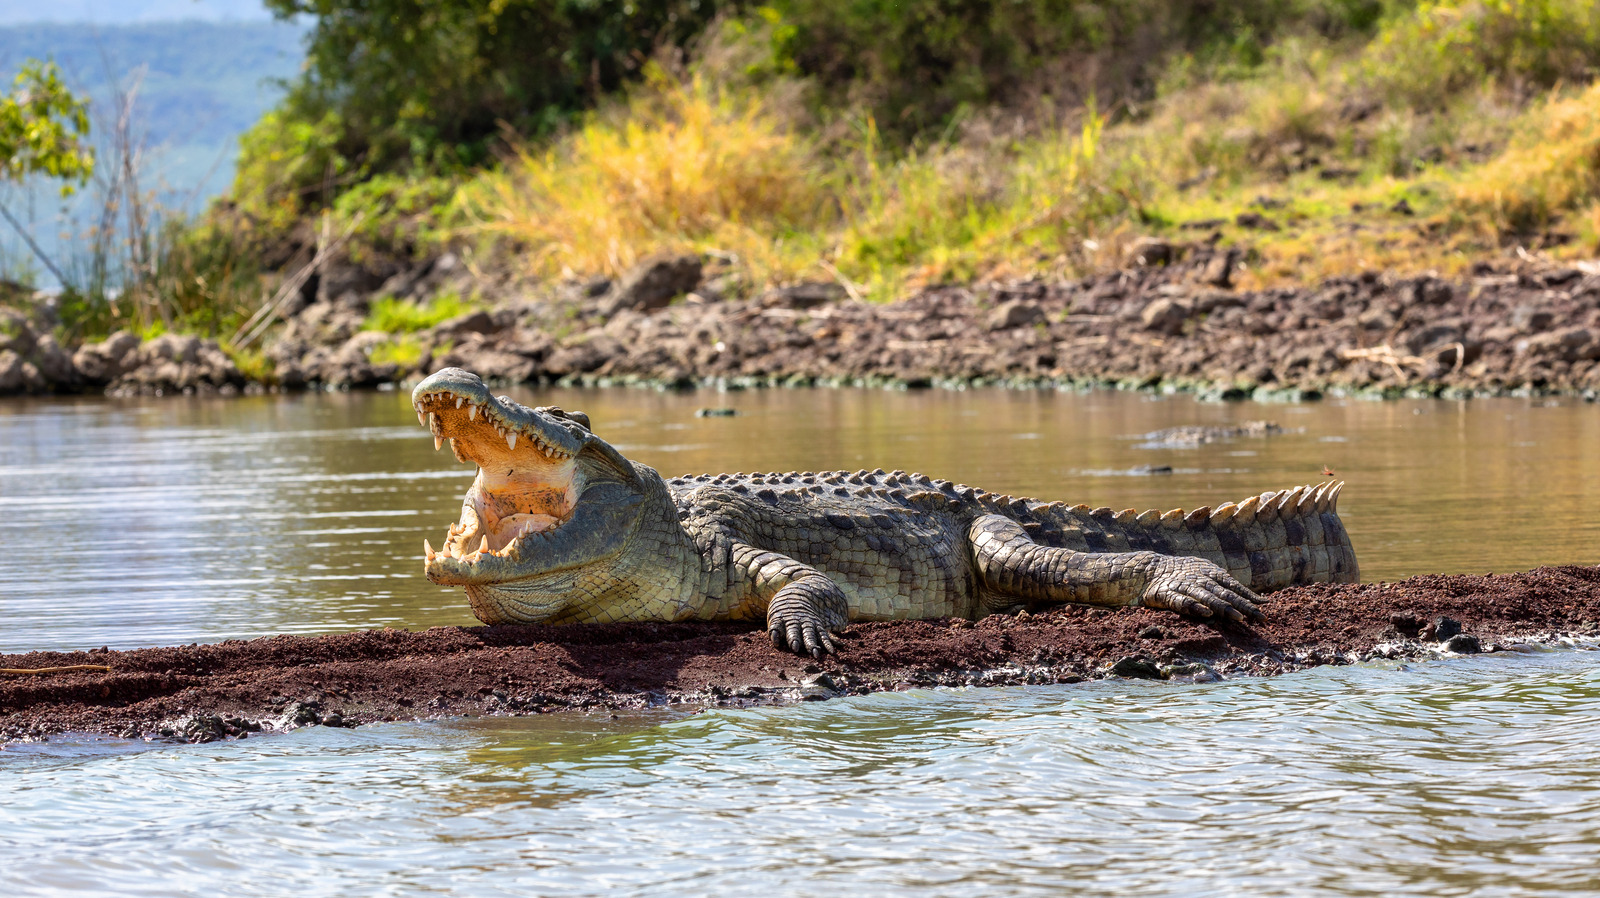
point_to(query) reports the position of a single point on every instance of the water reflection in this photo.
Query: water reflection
(148, 522)
(1473, 775)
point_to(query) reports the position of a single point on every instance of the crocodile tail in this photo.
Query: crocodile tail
(1269, 541)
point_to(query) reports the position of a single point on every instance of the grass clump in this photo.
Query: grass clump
(403, 351)
(391, 315)
(693, 166)
(1553, 168)
(683, 164)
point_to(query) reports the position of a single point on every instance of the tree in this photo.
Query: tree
(44, 130)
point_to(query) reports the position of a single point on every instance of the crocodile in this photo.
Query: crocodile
(558, 527)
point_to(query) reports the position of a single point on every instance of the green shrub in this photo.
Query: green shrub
(1424, 57)
(404, 316)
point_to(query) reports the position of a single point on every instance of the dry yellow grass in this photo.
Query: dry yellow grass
(682, 166)
(687, 166)
(1551, 170)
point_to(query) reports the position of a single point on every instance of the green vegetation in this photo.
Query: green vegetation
(404, 316)
(887, 146)
(43, 129)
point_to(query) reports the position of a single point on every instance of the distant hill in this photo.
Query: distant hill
(203, 83)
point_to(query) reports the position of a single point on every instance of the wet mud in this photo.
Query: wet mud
(237, 689)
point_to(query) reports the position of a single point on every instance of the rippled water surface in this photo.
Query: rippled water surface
(1471, 776)
(179, 520)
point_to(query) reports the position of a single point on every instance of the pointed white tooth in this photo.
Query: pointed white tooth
(432, 420)
(437, 442)
(485, 547)
(472, 412)
(511, 440)
(427, 549)
(422, 417)
(459, 400)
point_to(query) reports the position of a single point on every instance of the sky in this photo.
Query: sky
(128, 12)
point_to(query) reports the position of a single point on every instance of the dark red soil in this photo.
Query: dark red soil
(204, 692)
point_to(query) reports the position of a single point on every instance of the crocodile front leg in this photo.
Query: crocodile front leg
(1011, 565)
(803, 605)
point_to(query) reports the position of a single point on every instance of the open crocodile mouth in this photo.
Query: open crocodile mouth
(528, 482)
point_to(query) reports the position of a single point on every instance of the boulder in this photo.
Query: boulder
(1166, 316)
(1015, 313)
(1219, 271)
(101, 363)
(654, 282)
(1148, 252)
(806, 295)
(173, 363)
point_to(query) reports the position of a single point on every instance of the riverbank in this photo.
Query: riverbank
(235, 689)
(1170, 321)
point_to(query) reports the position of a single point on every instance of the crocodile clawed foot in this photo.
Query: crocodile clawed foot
(803, 637)
(1197, 588)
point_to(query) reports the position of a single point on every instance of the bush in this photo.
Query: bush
(1552, 169)
(1424, 57)
(402, 316)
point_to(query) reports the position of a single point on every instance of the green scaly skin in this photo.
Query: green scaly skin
(560, 528)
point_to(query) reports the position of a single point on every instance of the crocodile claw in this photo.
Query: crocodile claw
(802, 638)
(1197, 588)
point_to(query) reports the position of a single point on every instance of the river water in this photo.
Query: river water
(139, 523)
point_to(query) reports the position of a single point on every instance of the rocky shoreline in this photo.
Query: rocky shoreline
(236, 689)
(1169, 321)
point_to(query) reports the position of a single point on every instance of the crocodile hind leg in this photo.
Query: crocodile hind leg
(1012, 568)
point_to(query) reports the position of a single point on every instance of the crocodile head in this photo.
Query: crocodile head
(552, 506)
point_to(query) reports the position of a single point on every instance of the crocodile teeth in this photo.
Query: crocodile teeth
(511, 440)
(459, 400)
(427, 549)
(485, 547)
(421, 416)
(472, 412)
(437, 442)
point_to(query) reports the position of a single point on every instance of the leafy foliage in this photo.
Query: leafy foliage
(393, 85)
(44, 129)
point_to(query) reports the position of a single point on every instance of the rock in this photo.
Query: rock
(12, 377)
(1532, 320)
(1136, 668)
(1015, 313)
(806, 295)
(1255, 221)
(1152, 633)
(653, 283)
(1405, 624)
(1219, 271)
(1167, 316)
(1463, 644)
(715, 412)
(16, 334)
(1443, 628)
(1433, 335)
(101, 363)
(173, 362)
(1148, 252)
(477, 322)
(1430, 292)
(55, 363)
